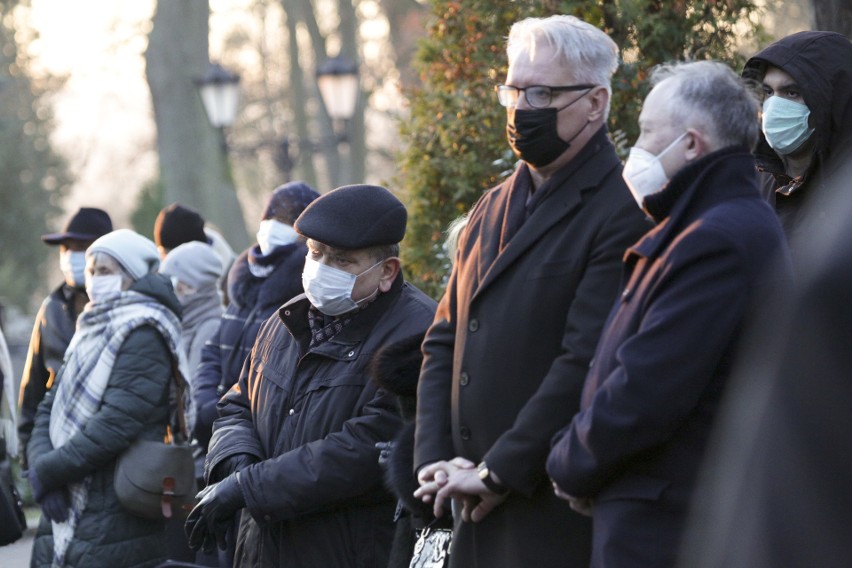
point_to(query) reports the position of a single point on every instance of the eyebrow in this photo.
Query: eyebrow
(784, 86)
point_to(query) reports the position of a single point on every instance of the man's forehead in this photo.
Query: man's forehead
(776, 77)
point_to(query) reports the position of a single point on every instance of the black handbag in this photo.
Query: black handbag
(156, 480)
(13, 522)
(432, 548)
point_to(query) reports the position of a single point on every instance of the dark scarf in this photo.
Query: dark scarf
(524, 199)
(324, 328)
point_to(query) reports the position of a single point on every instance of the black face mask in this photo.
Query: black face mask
(533, 135)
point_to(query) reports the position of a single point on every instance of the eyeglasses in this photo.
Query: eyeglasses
(537, 96)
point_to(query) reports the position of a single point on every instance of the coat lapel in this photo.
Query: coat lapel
(560, 203)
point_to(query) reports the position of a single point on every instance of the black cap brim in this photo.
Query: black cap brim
(57, 238)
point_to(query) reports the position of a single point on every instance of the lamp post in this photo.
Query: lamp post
(220, 94)
(337, 80)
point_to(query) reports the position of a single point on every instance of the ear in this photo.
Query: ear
(390, 269)
(598, 100)
(697, 144)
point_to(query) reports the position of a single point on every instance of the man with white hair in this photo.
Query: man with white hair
(537, 269)
(631, 455)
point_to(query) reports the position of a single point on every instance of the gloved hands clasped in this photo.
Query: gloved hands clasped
(209, 521)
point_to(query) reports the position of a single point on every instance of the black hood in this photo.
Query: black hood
(821, 65)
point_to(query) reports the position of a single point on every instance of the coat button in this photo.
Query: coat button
(350, 354)
(286, 312)
(267, 517)
(464, 378)
(292, 412)
(465, 433)
(473, 324)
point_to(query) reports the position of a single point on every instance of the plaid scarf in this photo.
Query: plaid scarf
(101, 330)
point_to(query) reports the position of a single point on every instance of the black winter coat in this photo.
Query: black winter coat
(252, 301)
(663, 361)
(135, 406)
(312, 417)
(505, 360)
(53, 329)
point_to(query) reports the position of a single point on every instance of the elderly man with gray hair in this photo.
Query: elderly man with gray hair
(631, 456)
(536, 272)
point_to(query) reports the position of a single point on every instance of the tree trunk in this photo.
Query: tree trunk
(833, 16)
(194, 166)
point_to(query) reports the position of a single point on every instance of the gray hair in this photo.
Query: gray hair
(709, 96)
(589, 53)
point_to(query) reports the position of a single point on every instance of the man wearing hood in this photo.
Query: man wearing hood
(806, 80)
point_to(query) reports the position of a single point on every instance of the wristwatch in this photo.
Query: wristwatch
(489, 481)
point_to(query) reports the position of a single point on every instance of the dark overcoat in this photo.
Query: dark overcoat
(663, 361)
(505, 359)
(312, 417)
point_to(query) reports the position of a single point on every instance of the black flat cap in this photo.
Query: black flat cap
(354, 217)
(87, 224)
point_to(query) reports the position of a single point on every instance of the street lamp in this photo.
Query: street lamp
(220, 93)
(337, 79)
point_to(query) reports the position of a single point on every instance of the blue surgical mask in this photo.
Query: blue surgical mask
(785, 124)
(73, 267)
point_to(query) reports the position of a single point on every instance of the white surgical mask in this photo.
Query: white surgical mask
(330, 289)
(103, 287)
(73, 267)
(643, 172)
(272, 234)
(785, 124)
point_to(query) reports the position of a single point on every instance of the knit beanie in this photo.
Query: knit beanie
(193, 263)
(178, 224)
(288, 201)
(136, 254)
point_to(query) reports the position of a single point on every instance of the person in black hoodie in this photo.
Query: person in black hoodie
(806, 80)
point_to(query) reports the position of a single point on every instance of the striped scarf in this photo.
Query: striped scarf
(101, 330)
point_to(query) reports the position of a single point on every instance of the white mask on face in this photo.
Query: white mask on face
(330, 289)
(103, 287)
(643, 172)
(272, 234)
(73, 267)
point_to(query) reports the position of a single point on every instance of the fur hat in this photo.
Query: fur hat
(396, 368)
(136, 254)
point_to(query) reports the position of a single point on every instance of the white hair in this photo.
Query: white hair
(589, 53)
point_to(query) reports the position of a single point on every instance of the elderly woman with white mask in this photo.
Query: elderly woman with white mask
(112, 389)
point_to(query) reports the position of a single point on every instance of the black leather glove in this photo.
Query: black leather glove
(55, 505)
(209, 521)
(229, 466)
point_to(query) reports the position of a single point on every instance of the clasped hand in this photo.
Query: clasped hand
(208, 523)
(457, 480)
